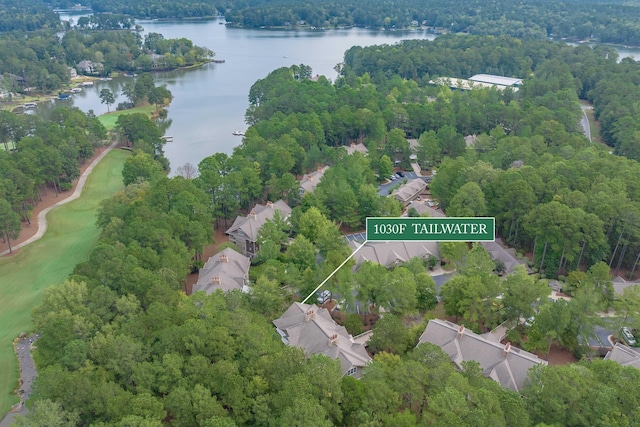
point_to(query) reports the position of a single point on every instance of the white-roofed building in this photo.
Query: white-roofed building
(479, 81)
(311, 328)
(496, 80)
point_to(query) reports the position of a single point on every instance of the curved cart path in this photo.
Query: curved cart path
(42, 216)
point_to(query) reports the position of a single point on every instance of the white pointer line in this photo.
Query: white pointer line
(334, 272)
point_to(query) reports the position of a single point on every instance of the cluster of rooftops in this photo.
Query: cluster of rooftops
(312, 328)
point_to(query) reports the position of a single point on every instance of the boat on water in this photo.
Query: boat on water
(30, 105)
(87, 84)
(167, 138)
(238, 133)
(76, 90)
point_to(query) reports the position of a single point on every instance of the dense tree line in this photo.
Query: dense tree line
(537, 130)
(106, 21)
(28, 15)
(40, 154)
(40, 60)
(122, 345)
(552, 192)
(607, 21)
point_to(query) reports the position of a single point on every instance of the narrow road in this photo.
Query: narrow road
(27, 376)
(42, 216)
(585, 120)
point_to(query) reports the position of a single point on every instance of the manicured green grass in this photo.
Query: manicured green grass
(109, 120)
(71, 235)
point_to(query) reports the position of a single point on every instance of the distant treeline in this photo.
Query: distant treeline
(41, 60)
(26, 15)
(608, 21)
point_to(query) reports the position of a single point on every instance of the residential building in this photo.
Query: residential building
(225, 270)
(424, 208)
(507, 256)
(620, 284)
(244, 231)
(393, 253)
(310, 181)
(311, 328)
(353, 147)
(626, 356)
(409, 191)
(503, 363)
(89, 67)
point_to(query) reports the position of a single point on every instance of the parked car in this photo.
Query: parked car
(393, 178)
(323, 297)
(628, 337)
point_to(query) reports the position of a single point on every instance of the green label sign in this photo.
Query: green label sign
(432, 229)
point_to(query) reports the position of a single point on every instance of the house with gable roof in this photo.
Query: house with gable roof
(360, 148)
(620, 284)
(409, 191)
(311, 328)
(393, 253)
(89, 67)
(507, 256)
(245, 229)
(225, 270)
(626, 356)
(310, 181)
(503, 363)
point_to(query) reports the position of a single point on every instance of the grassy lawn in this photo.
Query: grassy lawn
(109, 120)
(71, 235)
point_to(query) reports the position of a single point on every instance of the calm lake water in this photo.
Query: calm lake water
(209, 102)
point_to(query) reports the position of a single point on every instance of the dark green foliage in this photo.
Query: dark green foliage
(28, 15)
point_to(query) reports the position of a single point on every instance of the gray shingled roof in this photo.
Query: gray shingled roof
(507, 256)
(390, 253)
(251, 224)
(309, 327)
(626, 356)
(225, 270)
(352, 148)
(620, 284)
(310, 181)
(509, 366)
(409, 190)
(423, 208)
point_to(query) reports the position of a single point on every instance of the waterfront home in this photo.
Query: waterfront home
(244, 231)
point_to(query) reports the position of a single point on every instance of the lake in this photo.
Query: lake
(209, 102)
